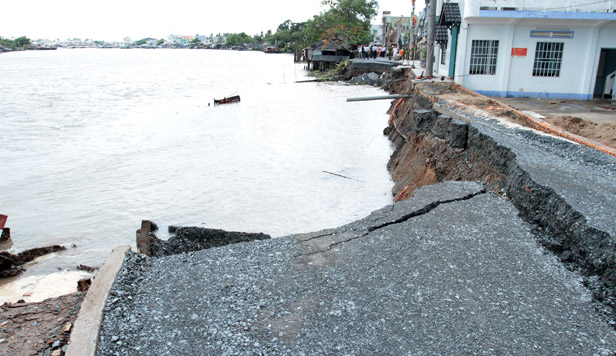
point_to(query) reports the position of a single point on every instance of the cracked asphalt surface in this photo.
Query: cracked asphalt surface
(452, 271)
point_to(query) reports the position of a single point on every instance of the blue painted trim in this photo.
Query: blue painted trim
(548, 15)
(539, 95)
(453, 52)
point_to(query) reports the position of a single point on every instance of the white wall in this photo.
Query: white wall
(607, 37)
(575, 60)
(378, 36)
(441, 69)
(513, 3)
(484, 82)
(514, 74)
(470, 8)
(544, 5)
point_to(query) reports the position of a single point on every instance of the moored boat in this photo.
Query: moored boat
(271, 49)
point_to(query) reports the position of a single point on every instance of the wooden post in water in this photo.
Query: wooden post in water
(6, 235)
(6, 232)
(143, 238)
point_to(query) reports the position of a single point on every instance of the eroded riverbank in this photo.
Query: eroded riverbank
(565, 190)
(452, 268)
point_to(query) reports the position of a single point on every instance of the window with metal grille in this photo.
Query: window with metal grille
(548, 58)
(483, 57)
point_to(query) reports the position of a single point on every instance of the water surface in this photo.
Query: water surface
(94, 141)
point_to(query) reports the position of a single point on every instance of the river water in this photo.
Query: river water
(93, 141)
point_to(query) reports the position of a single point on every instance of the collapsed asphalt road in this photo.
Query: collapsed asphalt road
(453, 270)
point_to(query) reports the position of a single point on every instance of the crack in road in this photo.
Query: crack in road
(316, 237)
(425, 210)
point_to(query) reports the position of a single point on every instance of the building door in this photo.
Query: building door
(606, 74)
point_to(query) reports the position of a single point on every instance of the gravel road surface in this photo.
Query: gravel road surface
(452, 271)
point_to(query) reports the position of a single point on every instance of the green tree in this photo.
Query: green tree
(258, 38)
(22, 41)
(283, 37)
(160, 42)
(346, 20)
(352, 11)
(238, 38)
(285, 26)
(6, 42)
(289, 36)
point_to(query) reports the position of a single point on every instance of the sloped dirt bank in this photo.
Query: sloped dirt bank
(431, 148)
(604, 133)
(423, 157)
(38, 328)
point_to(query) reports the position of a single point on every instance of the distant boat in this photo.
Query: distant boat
(45, 48)
(271, 49)
(231, 99)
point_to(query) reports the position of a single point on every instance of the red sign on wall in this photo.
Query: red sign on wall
(519, 52)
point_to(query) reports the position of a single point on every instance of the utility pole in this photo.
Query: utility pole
(431, 33)
(412, 38)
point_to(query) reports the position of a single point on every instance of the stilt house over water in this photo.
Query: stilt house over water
(327, 54)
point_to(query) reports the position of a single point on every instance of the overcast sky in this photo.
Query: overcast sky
(112, 20)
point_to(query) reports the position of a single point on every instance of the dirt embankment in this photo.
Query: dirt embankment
(424, 159)
(432, 148)
(38, 328)
(604, 133)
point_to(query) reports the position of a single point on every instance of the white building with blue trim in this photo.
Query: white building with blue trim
(563, 49)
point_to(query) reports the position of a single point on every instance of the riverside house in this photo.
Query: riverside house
(326, 54)
(521, 48)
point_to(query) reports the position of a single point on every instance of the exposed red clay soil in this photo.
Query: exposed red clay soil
(426, 161)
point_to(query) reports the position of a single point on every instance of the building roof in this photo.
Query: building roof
(450, 15)
(441, 34)
(331, 45)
